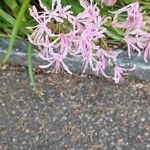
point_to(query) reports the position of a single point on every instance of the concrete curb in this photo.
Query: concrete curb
(142, 70)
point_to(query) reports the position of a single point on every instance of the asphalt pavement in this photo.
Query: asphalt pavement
(78, 113)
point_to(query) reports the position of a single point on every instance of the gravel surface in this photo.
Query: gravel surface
(79, 113)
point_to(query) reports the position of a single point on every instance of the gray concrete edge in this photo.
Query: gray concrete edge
(19, 56)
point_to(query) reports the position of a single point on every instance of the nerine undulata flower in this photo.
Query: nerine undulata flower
(135, 38)
(41, 29)
(134, 20)
(57, 59)
(132, 46)
(79, 38)
(119, 71)
(147, 48)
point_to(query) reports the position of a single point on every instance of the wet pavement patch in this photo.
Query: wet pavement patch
(79, 113)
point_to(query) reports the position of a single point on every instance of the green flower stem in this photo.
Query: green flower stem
(30, 71)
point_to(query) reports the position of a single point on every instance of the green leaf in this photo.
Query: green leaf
(15, 29)
(47, 3)
(146, 8)
(129, 1)
(12, 4)
(75, 5)
(105, 12)
(5, 16)
(115, 34)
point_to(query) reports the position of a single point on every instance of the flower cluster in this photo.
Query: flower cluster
(80, 36)
(135, 38)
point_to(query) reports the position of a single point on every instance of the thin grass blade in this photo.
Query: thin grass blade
(15, 29)
(5, 16)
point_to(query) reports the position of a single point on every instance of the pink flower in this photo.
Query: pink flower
(102, 61)
(147, 49)
(41, 29)
(49, 15)
(99, 69)
(56, 59)
(64, 12)
(83, 32)
(42, 33)
(45, 52)
(102, 55)
(84, 3)
(90, 32)
(58, 13)
(86, 18)
(61, 12)
(119, 71)
(134, 36)
(77, 23)
(87, 58)
(90, 10)
(83, 43)
(132, 46)
(109, 2)
(64, 41)
(134, 20)
(95, 29)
